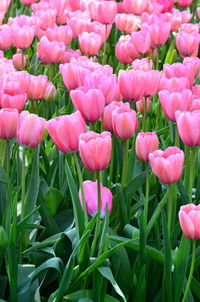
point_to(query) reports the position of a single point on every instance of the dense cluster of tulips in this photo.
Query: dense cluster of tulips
(99, 150)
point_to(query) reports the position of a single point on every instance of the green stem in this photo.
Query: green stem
(104, 47)
(112, 160)
(23, 185)
(8, 160)
(191, 271)
(170, 207)
(92, 126)
(144, 115)
(193, 151)
(98, 219)
(146, 204)
(186, 167)
(81, 186)
(177, 139)
(125, 162)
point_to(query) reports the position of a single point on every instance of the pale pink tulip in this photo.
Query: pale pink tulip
(146, 142)
(189, 218)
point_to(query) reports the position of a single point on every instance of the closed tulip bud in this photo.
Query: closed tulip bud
(30, 130)
(95, 150)
(3, 238)
(189, 218)
(90, 193)
(140, 105)
(19, 61)
(146, 142)
(65, 131)
(171, 102)
(89, 102)
(168, 164)
(188, 124)
(8, 123)
(50, 92)
(124, 123)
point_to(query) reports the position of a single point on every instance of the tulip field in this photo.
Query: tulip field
(99, 151)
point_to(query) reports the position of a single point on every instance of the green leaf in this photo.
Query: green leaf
(107, 273)
(141, 285)
(78, 212)
(122, 205)
(134, 184)
(33, 188)
(183, 194)
(180, 267)
(53, 199)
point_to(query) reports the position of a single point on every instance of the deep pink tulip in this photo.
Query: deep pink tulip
(89, 102)
(28, 2)
(146, 142)
(90, 43)
(107, 114)
(65, 131)
(141, 41)
(105, 11)
(37, 87)
(140, 105)
(124, 122)
(143, 64)
(188, 124)
(189, 218)
(12, 98)
(184, 3)
(22, 37)
(127, 23)
(136, 7)
(95, 150)
(187, 44)
(171, 102)
(8, 123)
(30, 129)
(168, 164)
(50, 52)
(5, 37)
(174, 84)
(90, 192)
(131, 84)
(122, 50)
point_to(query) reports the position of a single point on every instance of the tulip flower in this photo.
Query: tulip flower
(95, 150)
(143, 105)
(30, 130)
(90, 192)
(184, 3)
(136, 7)
(105, 11)
(22, 37)
(189, 217)
(13, 98)
(90, 43)
(50, 52)
(187, 44)
(127, 22)
(146, 142)
(65, 131)
(8, 123)
(168, 164)
(107, 114)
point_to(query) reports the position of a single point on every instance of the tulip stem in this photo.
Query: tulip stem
(7, 160)
(177, 140)
(192, 167)
(191, 271)
(146, 204)
(23, 184)
(81, 186)
(96, 234)
(104, 47)
(144, 115)
(112, 160)
(125, 162)
(170, 207)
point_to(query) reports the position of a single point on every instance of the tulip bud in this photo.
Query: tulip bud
(50, 93)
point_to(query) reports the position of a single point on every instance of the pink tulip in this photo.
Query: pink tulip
(105, 11)
(122, 51)
(143, 64)
(90, 192)
(101, 29)
(146, 142)
(179, 70)
(37, 87)
(198, 12)
(171, 102)
(168, 164)
(127, 23)
(189, 218)
(47, 17)
(65, 131)
(22, 37)
(50, 52)
(69, 54)
(136, 7)
(95, 150)
(57, 33)
(11, 98)
(159, 31)
(28, 2)
(152, 82)
(187, 44)
(30, 130)
(19, 61)
(50, 92)
(188, 124)
(8, 123)
(196, 90)
(141, 103)
(193, 65)
(89, 102)
(90, 43)
(107, 114)
(190, 28)
(5, 37)
(78, 26)
(184, 3)
(124, 122)
(174, 84)
(141, 41)
(131, 84)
